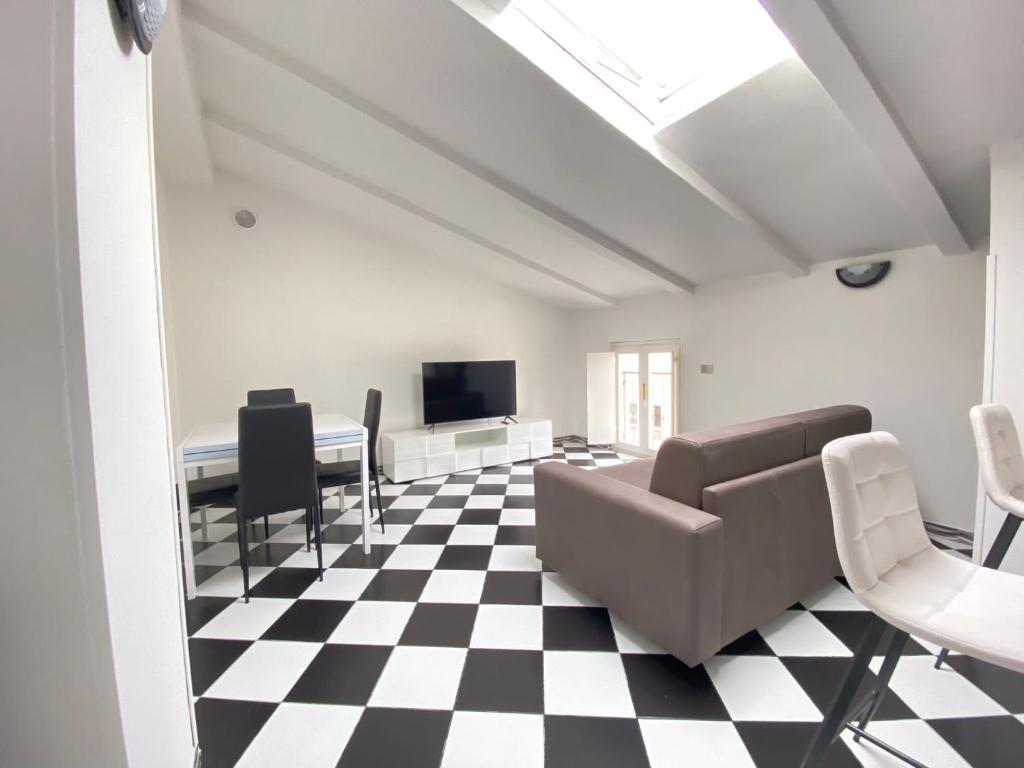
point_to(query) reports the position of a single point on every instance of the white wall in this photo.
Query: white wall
(312, 300)
(910, 349)
(1005, 316)
(92, 668)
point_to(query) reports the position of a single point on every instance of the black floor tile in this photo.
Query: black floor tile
(397, 585)
(783, 745)
(502, 681)
(582, 462)
(662, 686)
(353, 557)
(464, 558)
(850, 626)
(489, 489)
(520, 479)
(340, 534)
(595, 742)
(440, 624)
(424, 489)
(271, 555)
(309, 621)
(204, 572)
(471, 479)
(428, 534)
(226, 728)
(447, 502)
(821, 678)
(519, 502)
(577, 629)
(1003, 685)
(750, 644)
(398, 517)
(480, 517)
(200, 610)
(501, 469)
(385, 738)
(985, 742)
(284, 582)
(341, 674)
(512, 587)
(256, 534)
(516, 534)
(210, 658)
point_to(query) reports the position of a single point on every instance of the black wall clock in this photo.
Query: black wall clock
(863, 275)
(145, 18)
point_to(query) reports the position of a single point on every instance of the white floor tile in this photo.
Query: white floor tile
(373, 623)
(245, 621)
(304, 559)
(517, 517)
(228, 581)
(351, 517)
(455, 489)
(473, 534)
(215, 532)
(555, 590)
(509, 626)
(340, 584)
(410, 502)
(265, 672)
(630, 640)
(938, 693)
(390, 489)
(213, 514)
(487, 501)
(290, 534)
(760, 688)
(438, 517)
(520, 489)
(420, 678)
(414, 557)
(513, 558)
(454, 587)
(435, 480)
(522, 470)
(799, 633)
(587, 684)
(832, 597)
(913, 737)
(492, 480)
(494, 740)
(224, 553)
(704, 743)
(310, 735)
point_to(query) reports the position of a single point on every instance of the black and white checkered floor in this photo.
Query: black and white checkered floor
(449, 646)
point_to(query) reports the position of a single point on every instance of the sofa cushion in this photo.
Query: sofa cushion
(686, 464)
(823, 425)
(636, 473)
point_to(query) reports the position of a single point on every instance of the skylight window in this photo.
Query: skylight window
(663, 56)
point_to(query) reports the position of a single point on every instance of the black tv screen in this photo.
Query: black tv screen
(468, 390)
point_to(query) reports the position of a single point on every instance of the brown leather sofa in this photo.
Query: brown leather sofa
(718, 533)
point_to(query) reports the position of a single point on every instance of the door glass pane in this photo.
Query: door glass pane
(659, 398)
(629, 398)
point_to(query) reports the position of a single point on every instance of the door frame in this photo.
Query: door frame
(642, 347)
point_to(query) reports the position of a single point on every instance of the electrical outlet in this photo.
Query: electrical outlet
(707, 368)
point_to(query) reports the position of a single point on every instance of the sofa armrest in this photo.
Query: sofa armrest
(654, 561)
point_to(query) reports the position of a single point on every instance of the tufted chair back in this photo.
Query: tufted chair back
(874, 506)
(999, 456)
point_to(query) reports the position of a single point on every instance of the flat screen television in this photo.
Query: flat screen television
(468, 390)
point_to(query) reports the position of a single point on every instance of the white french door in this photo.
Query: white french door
(646, 378)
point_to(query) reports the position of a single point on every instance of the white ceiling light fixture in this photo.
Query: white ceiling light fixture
(245, 218)
(665, 58)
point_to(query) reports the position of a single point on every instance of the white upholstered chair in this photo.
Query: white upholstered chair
(910, 585)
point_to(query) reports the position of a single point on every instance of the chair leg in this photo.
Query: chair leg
(892, 657)
(202, 521)
(243, 552)
(319, 550)
(994, 558)
(309, 526)
(380, 506)
(266, 527)
(341, 498)
(837, 716)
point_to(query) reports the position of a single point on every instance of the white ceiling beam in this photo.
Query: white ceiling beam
(539, 209)
(825, 47)
(368, 187)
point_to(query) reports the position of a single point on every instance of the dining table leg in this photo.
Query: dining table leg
(364, 484)
(185, 521)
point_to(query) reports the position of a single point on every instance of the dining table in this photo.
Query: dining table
(216, 444)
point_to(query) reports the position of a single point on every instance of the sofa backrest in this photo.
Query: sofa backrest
(687, 464)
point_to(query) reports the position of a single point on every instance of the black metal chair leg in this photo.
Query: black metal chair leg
(892, 657)
(243, 549)
(266, 527)
(319, 550)
(380, 506)
(994, 558)
(309, 526)
(836, 718)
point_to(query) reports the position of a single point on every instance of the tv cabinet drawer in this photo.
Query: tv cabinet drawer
(444, 443)
(519, 452)
(541, 448)
(467, 459)
(494, 454)
(443, 464)
(407, 448)
(404, 471)
(518, 433)
(540, 430)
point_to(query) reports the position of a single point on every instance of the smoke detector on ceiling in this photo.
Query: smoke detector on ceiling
(245, 218)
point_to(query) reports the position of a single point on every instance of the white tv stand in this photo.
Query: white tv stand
(417, 453)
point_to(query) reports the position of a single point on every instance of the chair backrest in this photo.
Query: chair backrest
(371, 420)
(999, 456)
(875, 511)
(270, 396)
(276, 465)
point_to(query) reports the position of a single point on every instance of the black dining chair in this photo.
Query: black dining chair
(276, 471)
(338, 474)
(212, 491)
(270, 396)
